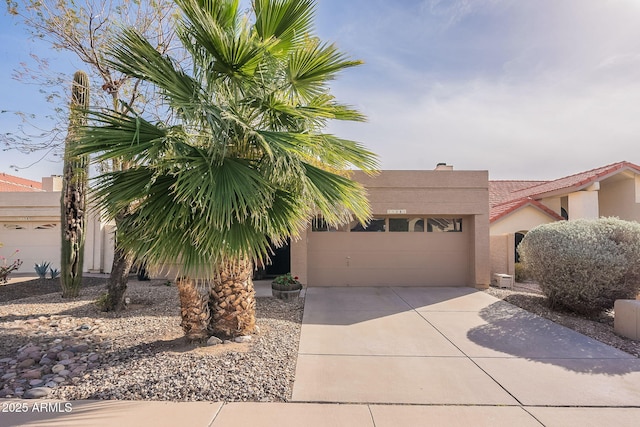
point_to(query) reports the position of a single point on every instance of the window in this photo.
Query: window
(398, 224)
(376, 224)
(318, 224)
(14, 227)
(406, 224)
(444, 225)
(47, 227)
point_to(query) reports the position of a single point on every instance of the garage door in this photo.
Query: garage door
(36, 241)
(423, 251)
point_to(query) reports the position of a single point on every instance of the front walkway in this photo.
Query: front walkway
(395, 357)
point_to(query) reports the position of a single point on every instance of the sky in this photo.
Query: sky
(526, 89)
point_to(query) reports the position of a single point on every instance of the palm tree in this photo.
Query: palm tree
(243, 162)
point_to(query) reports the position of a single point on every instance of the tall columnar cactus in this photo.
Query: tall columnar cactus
(73, 192)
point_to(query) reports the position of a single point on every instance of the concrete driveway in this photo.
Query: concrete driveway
(451, 346)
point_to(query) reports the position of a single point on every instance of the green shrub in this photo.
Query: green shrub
(102, 301)
(584, 265)
(521, 272)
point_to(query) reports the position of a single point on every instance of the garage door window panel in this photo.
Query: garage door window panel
(375, 225)
(47, 227)
(14, 227)
(412, 225)
(444, 225)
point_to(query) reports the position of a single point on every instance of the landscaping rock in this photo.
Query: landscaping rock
(214, 341)
(141, 355)
(37, 393)
(32, 374)
(26, 363)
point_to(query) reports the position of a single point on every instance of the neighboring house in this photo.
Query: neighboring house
(519, 206)
(429, 228)
(30, 222)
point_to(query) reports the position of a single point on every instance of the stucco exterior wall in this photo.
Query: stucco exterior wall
(502, 232)
(436, 192)
(553, 203)
(502, 253)
(618, 198)
(479, 245)
(521, 220)
(30, 222)
(583, 204)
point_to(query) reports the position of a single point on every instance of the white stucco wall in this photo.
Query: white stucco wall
(553, 203)
(618, 198)
(523, 219)
(583, 204)
(30, 222)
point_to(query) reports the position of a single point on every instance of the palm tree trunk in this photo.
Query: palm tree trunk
(193, 310)
(232, 300)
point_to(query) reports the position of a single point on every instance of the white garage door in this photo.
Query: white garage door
(393, 252)
(36, 242)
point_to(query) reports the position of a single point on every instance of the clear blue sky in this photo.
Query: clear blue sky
(523, 88)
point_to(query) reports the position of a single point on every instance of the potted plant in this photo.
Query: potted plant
(286, 287)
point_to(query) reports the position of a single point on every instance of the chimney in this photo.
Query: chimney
(52, 183)
(444, 167)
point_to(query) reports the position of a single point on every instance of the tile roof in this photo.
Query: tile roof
(578, 181)
(508, 196)
(9, 183)
(503, 209)
(501, 191)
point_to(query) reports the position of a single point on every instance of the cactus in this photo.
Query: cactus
(73, 199)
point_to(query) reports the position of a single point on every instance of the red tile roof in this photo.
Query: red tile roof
(503, 209)
(508, 196)
(13, 183)
(578, 181)
(501, 191)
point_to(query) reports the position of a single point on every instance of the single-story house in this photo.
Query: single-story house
(518, 206)
(30, 223)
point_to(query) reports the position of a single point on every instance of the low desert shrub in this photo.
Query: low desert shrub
(8, 265)
(584, 265)
(102, 301)
(521, 272)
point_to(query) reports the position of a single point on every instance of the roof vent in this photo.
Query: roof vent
(444, 167)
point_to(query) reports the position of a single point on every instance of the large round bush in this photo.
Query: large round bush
(584, 265)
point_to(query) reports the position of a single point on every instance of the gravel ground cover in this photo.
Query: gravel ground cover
(68, 349)
(529, 297)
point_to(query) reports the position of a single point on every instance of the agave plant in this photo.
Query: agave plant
(244, 163)
(42, 268)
